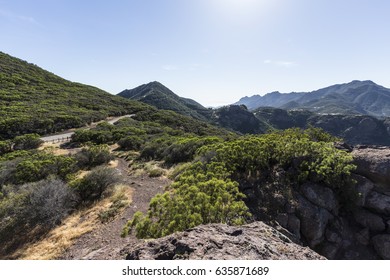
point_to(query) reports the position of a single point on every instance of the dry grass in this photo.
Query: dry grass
(62, 237)
(82, 173)
(55, 149)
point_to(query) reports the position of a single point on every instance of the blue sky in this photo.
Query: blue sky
(214, 51)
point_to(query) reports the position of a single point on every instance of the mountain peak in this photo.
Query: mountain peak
(364, 82)
(158, 95)
(356, 98)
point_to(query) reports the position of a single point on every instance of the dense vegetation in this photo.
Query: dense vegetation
(39, 189)
(33, 100)
(161, 97)
(210, 189)
(162, 135)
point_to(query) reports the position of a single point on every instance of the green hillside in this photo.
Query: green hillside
(161, 97)
(35, 100)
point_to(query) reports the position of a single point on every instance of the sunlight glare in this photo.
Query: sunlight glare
(240, 10)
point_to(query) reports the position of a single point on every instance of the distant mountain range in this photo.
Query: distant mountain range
(354, 98)
(356, 128)
(161, 97)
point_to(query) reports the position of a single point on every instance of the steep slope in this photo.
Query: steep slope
(355, 129)
(273, 99)
(35, 100)
(161, 97)
(356, 97)
(239, 119)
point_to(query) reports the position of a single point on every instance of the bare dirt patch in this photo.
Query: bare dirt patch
(105, 242)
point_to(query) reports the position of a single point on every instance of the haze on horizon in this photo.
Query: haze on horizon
(213, 51)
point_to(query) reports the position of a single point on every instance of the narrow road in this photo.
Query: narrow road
(66, 136)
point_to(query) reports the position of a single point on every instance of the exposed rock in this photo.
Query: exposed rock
(378, 202)
(363, 188)
(282, 219)
(363, 236)
(255, 241)
(343, 146)
(320, 196)
(388, 226)
(294, 225)
(333, 237)
(313, 221)
(329, 250)
(367, 219)
(374, 163)
(382, 245)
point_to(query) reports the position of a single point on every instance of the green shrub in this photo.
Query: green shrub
(93, 155)
(5, 147)
(41, 165)
(207, 191)
(202, 194)
(157, 172)
(130, 143)
(27, 142)
(95, 183)
(36, 166)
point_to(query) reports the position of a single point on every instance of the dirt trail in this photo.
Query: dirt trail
(105, 242)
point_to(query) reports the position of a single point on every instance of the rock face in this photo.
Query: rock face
(255, 241)
(374, 163)
(350, 225)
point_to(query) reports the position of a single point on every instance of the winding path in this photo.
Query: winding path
(67, 135)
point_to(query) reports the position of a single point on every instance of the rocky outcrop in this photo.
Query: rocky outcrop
(255, 241)
(352, 223)
(374, 163)
(348, 223)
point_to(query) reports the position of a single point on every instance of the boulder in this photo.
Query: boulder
(321, 196)
(255, 241)
(374, 163)
(363, 236)
(333, 237)
(294, 225)
(313, 221)
(329, 250)
(378, 202)
(368, 219)
(382, 245)
(363, 187)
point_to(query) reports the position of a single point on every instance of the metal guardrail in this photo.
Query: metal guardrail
(59, 140)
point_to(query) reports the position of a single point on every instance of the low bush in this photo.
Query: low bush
(94, 184)
(34, 207)
(93, 155)
(130, 143)
(157, 172)
(27, 142)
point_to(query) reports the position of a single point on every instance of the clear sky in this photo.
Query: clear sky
(214, 51)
